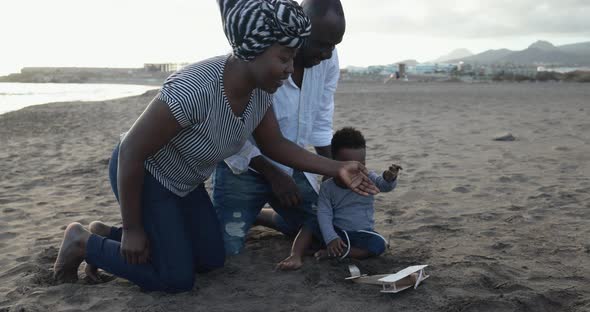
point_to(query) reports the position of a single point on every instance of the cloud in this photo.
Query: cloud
(471, 19)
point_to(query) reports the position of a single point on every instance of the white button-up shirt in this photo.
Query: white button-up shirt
(304, 115)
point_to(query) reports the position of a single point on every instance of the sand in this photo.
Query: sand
(504, 225)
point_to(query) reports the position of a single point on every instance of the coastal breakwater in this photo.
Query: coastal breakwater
(144, 76)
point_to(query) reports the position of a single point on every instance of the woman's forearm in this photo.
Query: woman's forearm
(294, 156)
(130, 177)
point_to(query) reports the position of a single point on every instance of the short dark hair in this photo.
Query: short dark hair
(319, 8)
(347, 137)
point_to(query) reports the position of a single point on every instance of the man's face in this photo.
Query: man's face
(326, 32)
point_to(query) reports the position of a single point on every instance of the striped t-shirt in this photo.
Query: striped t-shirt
(210, 131)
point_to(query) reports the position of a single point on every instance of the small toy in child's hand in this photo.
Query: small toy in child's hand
(391, 173)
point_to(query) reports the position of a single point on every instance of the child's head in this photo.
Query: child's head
(348, 144)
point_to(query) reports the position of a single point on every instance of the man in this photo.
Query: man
(304, 107)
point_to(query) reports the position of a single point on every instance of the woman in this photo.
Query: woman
(203, 114)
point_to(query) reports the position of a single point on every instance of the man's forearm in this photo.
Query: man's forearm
(263, 166)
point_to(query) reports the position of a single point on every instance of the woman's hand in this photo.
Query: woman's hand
(355, 176)
(135, 246)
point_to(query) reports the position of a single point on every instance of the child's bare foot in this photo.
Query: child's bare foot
(292, 262)
(321, 254)
(71, 253)
(98, 228)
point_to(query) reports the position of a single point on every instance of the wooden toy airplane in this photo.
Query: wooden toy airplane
(392, 283)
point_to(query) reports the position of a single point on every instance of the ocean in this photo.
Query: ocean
(14, 96)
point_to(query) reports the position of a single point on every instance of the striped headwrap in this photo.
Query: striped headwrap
(251, 26)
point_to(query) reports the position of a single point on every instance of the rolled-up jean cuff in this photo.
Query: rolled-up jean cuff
(94, 247)
(115, 233)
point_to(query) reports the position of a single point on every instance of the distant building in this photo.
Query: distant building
(401, 69)
(431, 68)
(523, 70)
(163, 67)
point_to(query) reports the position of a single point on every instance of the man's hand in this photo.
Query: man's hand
(135, 246)
(284, 188)
(336, 247)
(391, 174)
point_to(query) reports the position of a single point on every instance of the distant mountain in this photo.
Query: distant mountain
(455, 54)
(543, 46)
(540, 52)
(487, 57)
(576, 48)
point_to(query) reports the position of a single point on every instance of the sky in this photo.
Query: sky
(128, 33)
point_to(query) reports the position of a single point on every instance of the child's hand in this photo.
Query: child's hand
(391, 174)
(336, 247)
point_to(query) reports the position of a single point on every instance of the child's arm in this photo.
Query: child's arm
(326, 215)
(388, 180)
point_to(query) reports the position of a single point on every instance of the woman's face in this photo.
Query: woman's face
(273, 67)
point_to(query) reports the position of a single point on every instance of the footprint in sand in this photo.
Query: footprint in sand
(520, 178)
(501, 246)
(516, 208)
(463, 189)
(8, 235)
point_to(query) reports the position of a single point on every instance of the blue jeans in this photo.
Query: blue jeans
(239, 198)
(183, 232)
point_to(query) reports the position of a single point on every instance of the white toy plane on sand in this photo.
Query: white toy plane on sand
(392, 283)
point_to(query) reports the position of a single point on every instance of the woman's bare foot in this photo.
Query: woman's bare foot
(322, 254)
(71, 253)
(98, 228)
(292, 262)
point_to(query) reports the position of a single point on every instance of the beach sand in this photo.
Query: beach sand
(504, 226)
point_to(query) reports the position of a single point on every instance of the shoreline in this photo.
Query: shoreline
(17, 96)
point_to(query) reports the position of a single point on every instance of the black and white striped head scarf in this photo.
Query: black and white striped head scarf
(252, 26)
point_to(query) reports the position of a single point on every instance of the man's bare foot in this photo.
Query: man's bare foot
(71, 253)
(322, 254)
(292, 262)
(98, 228)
